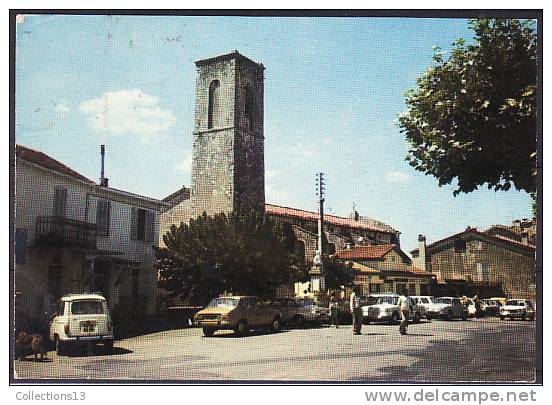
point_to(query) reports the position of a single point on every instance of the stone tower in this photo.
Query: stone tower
(228, 139)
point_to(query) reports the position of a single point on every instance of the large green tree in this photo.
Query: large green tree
(240, 253)
(472, 117)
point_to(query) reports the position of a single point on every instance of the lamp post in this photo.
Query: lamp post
(318, 281)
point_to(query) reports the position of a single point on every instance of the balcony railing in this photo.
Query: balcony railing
(65, 232)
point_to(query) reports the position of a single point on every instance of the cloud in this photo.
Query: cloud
(62, 107)
(127, 111)
(397, 177)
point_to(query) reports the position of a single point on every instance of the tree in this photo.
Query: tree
(338, 274)
(473, 115)
(239, 253)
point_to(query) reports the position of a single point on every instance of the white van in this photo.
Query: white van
(82, 318)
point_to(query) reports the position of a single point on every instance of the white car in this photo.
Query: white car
(383, 307)
(81, 318)
(448, 308)
(517, 308)
(426, 301)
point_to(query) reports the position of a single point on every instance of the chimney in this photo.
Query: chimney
(420, 261)
(103, 179)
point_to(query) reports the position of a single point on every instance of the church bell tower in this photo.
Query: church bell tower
(228, 139)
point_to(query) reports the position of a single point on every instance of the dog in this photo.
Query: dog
(27, 344)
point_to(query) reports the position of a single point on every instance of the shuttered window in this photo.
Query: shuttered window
(20, 245)
(150, 226)
(142, 225)
(103, 215)
(60, 202)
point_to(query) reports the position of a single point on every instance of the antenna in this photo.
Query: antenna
(103, 179)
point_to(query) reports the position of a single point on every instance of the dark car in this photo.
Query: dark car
(298, 311)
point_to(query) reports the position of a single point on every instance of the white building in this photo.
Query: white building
(73, 235)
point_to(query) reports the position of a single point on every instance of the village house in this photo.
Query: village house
(385, 268)
(497, 262)
(73, 235)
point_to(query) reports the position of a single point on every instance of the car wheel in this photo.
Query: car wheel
(208, 332)
(428, 317)
(108, 346)
(276, 325)
(298, 320)
(502, 318)
(61, 348)
(394, 318)
(242, 329)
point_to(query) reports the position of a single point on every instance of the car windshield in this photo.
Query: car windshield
(387, 299)
(223, 302)
(442, 301)
(515, 302)
(87, 307)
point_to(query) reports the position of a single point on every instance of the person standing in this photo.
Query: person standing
(404, 307)
(356, 311)
(334, 312)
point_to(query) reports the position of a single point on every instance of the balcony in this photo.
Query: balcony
(65, 232)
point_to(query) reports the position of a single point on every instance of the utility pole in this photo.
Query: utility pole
(317, 271)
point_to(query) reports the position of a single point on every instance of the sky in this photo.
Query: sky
(334, 88)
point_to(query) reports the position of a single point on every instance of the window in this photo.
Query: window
(60, 202)
(482, 272)
(249, 106)
(459, 246)
(214, 104)
(20, 245)
(142, 225)
(103, 217)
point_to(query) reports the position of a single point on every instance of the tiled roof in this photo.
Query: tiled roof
(416, 270)
(41, 159)
(364, 252)
(473, 233)
(331, 219)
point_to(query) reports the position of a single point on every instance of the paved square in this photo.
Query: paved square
(477, 350)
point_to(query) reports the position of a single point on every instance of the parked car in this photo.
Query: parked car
(238, 313)
(426, 301)
(448, 308)
(383, 307)
(81, 318)
(492, 308)
(517, 308)
(298, 311)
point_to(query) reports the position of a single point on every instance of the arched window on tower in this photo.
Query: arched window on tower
(214, 104)
(249, 106)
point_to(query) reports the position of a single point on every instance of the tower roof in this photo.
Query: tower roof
(227, 56)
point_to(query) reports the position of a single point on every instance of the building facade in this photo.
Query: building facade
(485, 263)
(73, 235)
(385, 268)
